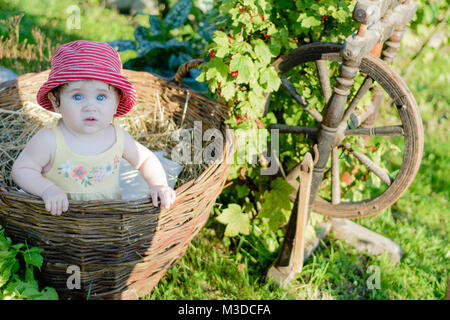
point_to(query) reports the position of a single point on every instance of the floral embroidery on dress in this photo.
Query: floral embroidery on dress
(79, 172)
(99, 176)
(65, 169)
(95, 175)
(108, 168)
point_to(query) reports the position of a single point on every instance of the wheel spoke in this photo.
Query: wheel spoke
(365, 86)
(377, 99)
(335, 180)
(359, 117)
(284, 128)
(372, 166)
(287, 85)
(367, 117)
(324, 78)
(386, 131)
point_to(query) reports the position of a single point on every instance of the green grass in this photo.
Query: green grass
(418, 222)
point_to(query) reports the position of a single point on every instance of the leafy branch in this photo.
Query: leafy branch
(17, 264)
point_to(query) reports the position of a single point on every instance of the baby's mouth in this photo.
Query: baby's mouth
(90, 119)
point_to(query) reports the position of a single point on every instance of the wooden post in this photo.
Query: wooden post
(365, 240)
(290, 259)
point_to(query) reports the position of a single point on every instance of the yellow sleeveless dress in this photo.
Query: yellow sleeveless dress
(87, 178)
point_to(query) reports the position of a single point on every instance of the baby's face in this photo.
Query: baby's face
(88, 106)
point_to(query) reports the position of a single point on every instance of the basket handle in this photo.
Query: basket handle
(184, 69)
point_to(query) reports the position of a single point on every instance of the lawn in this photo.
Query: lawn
(418, 222)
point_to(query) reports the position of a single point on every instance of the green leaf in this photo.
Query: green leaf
(244, 66)
(33, 257)
(270, 78)
(282, 186)
(173, 43)
(221, 39)
(226, 6)
(242, 191)
(12, 284)
(29, 273)
(263, 52)
(146, 47)
(353, 123)
(277, 206)
(155, 25)
(18, 246)
(9, 265)
(236, 221)
(228, 91)
(178, 59)
(178, 14)
(257, 101)
(201, 77)
(271, 211)
(216, 69)
(242, 47)
(141, 34)
(27, 289)
(123, 45)
(310, 22)
(48, 293)
(5, 242)
(4, 277)
(222, 52)
(255, 86)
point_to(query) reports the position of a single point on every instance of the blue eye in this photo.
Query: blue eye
(101, 97)
(77, 97)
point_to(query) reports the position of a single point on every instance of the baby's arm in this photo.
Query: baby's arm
(151, 169)
(27, 172)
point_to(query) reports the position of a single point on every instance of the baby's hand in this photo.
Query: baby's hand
(165, 193)
(55, 200)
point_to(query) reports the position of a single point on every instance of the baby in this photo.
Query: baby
(79, 158)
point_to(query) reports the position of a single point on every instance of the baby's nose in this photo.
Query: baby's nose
(89, 105)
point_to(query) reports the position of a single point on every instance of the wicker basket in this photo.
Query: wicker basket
(121, 248)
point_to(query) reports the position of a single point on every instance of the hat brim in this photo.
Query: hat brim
(128, 96)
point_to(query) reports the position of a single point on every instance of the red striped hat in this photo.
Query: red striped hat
(82, 60)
